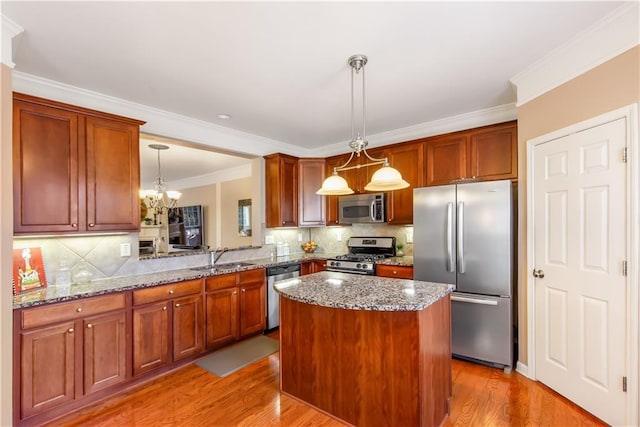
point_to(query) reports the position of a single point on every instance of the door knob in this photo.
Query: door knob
(538, 273)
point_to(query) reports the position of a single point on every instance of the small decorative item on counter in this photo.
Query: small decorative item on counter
(28, 270)
(399, 252)
(81, 273)
(148, 221)
(63, 274)
(309, 247)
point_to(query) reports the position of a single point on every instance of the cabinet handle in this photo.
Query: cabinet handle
(79, 309)
(283, 222)
(395, 272)
(244, 290)
(89, 325)
(74, 225)
(170, 291)
(164, 308)
(70, 330)
(177, 304)
(92, 225)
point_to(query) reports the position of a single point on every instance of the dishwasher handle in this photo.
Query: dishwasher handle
(283, 269)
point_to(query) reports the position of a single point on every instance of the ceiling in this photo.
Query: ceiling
(280, 68)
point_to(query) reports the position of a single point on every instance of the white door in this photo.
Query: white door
(580, 223)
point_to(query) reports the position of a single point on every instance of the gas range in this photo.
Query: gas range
(363, 254)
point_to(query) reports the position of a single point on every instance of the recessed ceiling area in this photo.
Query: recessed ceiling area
(280, 68)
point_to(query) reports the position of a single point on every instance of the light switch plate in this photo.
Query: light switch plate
(409, 237)
(125, 249)
(268, 240)
(299, 237)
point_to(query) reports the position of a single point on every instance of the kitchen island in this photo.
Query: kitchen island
(367, 350)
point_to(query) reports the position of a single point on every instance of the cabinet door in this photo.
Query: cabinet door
(446, 159)
(46, 153)
(394, 271)
(306, 268)
(113, 175)
(222, 317)
(311, 207)
(281, 190)
(188, 327)
(494, 153)
(252, 308)
(150, 337)
(105, 353)
(318, 266)
(408, 159)
(47, 368)
(331, 202)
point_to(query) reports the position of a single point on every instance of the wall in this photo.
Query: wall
(607, 87)
(6, 231)
(205, 196)
(230, 193)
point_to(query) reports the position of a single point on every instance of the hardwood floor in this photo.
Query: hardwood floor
(191, 396)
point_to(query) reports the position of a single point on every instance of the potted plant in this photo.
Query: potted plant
(399, 252)
(148, 221)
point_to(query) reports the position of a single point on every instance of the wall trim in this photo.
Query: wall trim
(614, 34)
(523, 369)
(230, 174)
(10, 29)
(630, 114)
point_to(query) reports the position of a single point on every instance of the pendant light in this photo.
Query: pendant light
(160, 198)
(384, 179)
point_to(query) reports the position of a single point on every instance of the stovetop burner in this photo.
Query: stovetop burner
(362, 257)
(363, 254)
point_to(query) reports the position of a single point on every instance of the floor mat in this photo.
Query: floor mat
(231, 359)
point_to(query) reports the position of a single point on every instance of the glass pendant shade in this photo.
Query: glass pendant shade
(386, 179)
(335, 185)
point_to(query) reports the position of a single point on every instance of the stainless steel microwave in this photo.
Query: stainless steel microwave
(362, 208)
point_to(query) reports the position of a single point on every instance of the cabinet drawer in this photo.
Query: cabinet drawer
(172, 290)
(394, 271)
(257, 275)
(221, 282)
(40, 316)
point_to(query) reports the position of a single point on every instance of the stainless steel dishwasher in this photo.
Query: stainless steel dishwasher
(275, 274)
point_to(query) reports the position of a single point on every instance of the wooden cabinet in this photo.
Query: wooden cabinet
(281, 190)
(252, 302)
(74, 170)
(486, 153)
(311, 206)
(236, 306)
(394, 271)
(70, 350)
(331, 202)
(312, 266)
(168, 324)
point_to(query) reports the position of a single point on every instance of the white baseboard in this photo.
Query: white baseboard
(523, 369)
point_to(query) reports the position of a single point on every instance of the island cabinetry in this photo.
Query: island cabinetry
(69, 350)
(236, 306)
(486, 153)
(311, 206)
(312, 266)
(281, 189)
(74, 170)
(168, 324)
(394, 271)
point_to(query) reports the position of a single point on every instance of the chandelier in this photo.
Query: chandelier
(384, 179)
(160, 199)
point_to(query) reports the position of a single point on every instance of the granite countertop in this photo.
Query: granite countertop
(360, 292)
(52, 294)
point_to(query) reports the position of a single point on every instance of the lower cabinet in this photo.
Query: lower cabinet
(222, 317)
(252, 308)
(169, 326)
(394, 271)
(70, 350)
(314, 266)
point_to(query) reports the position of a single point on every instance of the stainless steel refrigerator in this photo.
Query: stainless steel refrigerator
(463, 236)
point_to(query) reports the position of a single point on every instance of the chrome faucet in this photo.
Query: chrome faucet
(216, 254)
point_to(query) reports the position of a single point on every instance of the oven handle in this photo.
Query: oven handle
(362, 273)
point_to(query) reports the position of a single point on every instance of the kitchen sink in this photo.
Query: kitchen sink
(223, 267)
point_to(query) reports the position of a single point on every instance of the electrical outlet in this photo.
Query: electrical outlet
(409, 237)
(338, 236)
(299, 237)
(125, 249)
(268, 240)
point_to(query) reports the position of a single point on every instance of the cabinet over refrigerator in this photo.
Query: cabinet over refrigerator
(463, 236)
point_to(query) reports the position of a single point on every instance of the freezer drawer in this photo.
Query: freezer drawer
(481, 328)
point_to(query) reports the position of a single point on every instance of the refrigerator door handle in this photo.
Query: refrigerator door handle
(461, 237)
(450, 237)
(474, 300)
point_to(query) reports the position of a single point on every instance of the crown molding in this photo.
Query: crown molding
(238, 172)
(9, 30)
(499, 114)
(158, 122)
(614, 34)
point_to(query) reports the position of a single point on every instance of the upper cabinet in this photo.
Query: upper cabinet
(74, 170)
(311, 206)
(486, 153)
(408, 159)
(281, 189)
